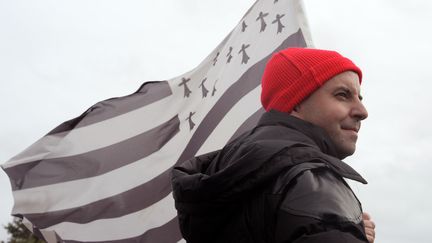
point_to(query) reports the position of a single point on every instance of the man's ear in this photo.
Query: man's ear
(296, 108)
(295, 111)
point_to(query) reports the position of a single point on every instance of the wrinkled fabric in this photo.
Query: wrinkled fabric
(280, 182)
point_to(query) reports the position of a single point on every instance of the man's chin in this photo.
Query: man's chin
(345, 152)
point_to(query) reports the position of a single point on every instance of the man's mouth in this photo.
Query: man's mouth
(351, 128)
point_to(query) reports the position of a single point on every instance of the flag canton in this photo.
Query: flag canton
(203, 86)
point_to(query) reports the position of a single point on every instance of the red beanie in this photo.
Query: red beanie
(293, 74)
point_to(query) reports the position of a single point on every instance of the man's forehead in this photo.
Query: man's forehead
(348, 80)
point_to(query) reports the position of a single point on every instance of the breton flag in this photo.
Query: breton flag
(105, 175)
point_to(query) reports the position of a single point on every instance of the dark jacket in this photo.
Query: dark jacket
(280, 182)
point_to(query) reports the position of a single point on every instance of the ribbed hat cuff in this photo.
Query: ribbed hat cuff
(332, 67)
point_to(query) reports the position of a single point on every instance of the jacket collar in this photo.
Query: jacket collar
(316, 135)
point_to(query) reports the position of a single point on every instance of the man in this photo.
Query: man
(283, 181)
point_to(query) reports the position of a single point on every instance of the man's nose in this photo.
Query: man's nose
(359, 111)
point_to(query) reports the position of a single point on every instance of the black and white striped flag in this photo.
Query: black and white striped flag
(105, 175)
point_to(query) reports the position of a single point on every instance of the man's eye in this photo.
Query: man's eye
(342, 95)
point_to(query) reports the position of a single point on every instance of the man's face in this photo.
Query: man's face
(337, 108)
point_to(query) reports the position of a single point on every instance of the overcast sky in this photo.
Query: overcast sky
(57, 58)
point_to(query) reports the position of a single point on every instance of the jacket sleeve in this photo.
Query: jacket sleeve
(318, 206)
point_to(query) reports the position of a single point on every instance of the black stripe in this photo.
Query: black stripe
(148, 93)
(167, 233)
(93, 163)
(159, 187)
(124, 203)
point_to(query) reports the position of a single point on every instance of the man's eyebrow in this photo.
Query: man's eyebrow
(348, 90)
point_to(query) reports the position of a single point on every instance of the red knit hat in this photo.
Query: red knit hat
(293, 74)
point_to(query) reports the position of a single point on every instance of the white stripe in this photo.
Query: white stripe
(37, 151)
(127, 226)
(108, 132)
(49, 236)
(27, 224)
(247, 106)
